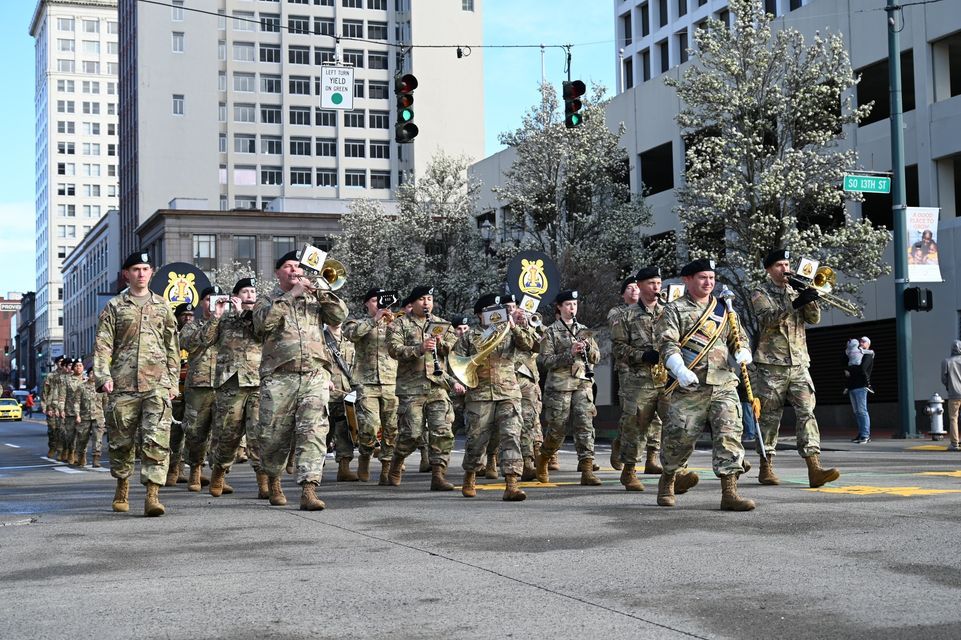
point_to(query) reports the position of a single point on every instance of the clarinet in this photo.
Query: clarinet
(438, 370)
(588, 368)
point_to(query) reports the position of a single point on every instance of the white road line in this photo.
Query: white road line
(14, 446)
(51, 460)
(29, 466)
(67, 470)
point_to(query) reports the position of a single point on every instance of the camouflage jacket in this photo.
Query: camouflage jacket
(525, 359)
(73, 395)
(496, 376)
(565, 371)
(53, 391)
(373, 364)
(677, 320)
(137, 347)
(291, 330)
(341, 382)
(415, 370)
(617, 317)
(631, 335)
(237, 350)
(782, 338)
(91, 404)
(201, 355)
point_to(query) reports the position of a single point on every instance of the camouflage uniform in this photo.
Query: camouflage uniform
(644, 403)
(200, 390)
(423, 397)
(343, 444)
(294, 372)
(493, 407)
(51, 392)
(177, 436)
(528, 378)
(73, 418)
(712, 403)
(91, 409)
(782, 366)
(567, 391)
(237, 382)
(136, 348)
(375, 373)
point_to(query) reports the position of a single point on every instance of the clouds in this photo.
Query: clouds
(17, 241)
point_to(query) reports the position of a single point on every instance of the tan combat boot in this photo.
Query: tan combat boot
(204, 479)
(766, 475)
(437, 480)
(384, 479)
(513, 493)
(816, 475)
(363, 468)
(396, 471)
(616, 455)
(151, 504)
(275, 492)
(543, 465)
(629, 478)
(309, 500)
(665, 490)
(96, 461)
(193, 484)
(263, 492)
(685, 481)
(171, 475)
(120, 503)
(217, 481)
(424, 460)
(529, 472)
(50, 453)
(586, 467)
(555, 463)
(490, 471)
(469, 487)
(291, 467)
(730, 501)
(652, 465)
(344, 474)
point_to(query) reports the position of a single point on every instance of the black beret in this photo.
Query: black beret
(564, 296)
(697, 266)
(137, 257)
(290, 255)
(420, 292)
(406, 301)
(627, 281)
(212, 290)
(243, 283)
(508, 298)
(486, 300)
(459, 320)
(646, 273)
(183, 308)
(57, 359)
(373, 292)
(776, 256)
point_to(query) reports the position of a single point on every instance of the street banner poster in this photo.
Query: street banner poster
(923, 264)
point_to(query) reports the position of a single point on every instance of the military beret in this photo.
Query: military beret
(406, 301)
(646, 273)
(564, 296)
(183, 308)
(776, 256)
(626, 282)
(373, 292)
(57, 359)
(420, 292)
(459, 320)
(508, 298)
(212, 290)
(135, 258)
(290, 255)
(697, 266)
(486, 300)
(243, 283)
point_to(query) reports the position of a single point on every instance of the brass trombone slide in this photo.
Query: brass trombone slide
(824, 281)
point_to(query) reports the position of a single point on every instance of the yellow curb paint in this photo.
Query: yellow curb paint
(879, 491)
(945, 474)
(929, 447)
(500, 486)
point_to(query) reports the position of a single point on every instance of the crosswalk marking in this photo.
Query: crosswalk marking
(67, 470)
(12, 446)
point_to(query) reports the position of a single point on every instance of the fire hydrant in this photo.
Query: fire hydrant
(935, 410)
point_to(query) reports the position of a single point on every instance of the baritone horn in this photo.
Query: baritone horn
(464, 368)
(824, 281)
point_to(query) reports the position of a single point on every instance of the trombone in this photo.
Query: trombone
(331, 277)
(824, 281)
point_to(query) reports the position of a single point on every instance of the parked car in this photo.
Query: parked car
(21, 396)
(10, 409)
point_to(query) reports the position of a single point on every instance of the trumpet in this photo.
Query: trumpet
(389, 316)
(824, 281)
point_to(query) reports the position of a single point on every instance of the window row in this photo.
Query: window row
(87, 25)
(86, 86)
(86, 148)
(304, 176)
(299, 85)
(68, 45)
(306, 146)
(87, 190)
(271, 114)
(70, 211)
(89, 108)
(88, 128)
(89, 66)
(252, 52)
(89, 170)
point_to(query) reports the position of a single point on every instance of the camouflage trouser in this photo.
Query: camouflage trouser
(642, 412)
(777, 385)
(437, 414)
(377, 411)
(177, 435)
(714, 406)
(293, 407)
(558, 408)
(459, 426)
(71, 426)
(343, 444)
(487, 418)
(53, 432)
(96, 431)
(236, 409)
(198, 420)
(531, 406)
(85, 430)
(146, 413)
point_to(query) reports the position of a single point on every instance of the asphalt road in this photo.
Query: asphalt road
(872, 557)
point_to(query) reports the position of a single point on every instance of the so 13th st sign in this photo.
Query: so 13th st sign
(867, 184)
(337, 87)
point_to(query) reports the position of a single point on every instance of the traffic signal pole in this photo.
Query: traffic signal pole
(908, 428)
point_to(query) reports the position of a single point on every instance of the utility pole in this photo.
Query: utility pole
(908, 429)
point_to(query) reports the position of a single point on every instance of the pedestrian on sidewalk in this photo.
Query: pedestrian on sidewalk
(951, 377)
(860, 364)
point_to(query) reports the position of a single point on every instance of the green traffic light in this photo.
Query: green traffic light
(406, 115)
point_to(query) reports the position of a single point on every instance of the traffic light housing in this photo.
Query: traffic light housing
(405, 130)
(572, 92)
(918, 299)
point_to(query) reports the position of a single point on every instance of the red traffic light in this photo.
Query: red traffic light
(405, 83)
(574, 89)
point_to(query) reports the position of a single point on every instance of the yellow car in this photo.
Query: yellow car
(10, 409)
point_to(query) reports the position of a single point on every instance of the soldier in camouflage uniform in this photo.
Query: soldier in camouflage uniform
(375, 374)
(137, 361)
(295, 378)
(92, 411)
(341, 366)
(630, 293)
(782, 368)
(50, 399)
(184, 314)
(568, 352)
(200, 390)
(695, 341)
(423, 396)
(528, 379)
(73, 419)
(237, 381)
(644, 402)
(493, 408)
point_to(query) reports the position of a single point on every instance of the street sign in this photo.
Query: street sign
(337, 87)
(867, 184)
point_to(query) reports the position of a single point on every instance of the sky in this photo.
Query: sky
(511, 78)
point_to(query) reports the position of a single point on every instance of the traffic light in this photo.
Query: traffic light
(572, 92)
(405, 130)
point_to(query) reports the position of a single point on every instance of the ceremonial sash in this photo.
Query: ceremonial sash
(699, 340)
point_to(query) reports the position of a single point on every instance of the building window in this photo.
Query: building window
(298, 55)
(298, 24)
(65, 127)
(355, 178)
(377, 5)
(283, 245)
(66, 148)
(354, 119)
(326, 147)
(65, 24)
(67, 210)
(379, 179)
(663, 51)
(326, 177)
(270, 114)
(245, 143)
(380, 149)
(66, 189)
(178, 104)
(65, 66)
(355, 148)
(770, 7)
(270, 53)
(269, 23)
(874, 86)
(245, 113)
(379, 120)
(91, 26)
(300, 115)
(177, 10)
(272, 146)
(300, 176)
(325, 118)
(353, 4)
(682, 45)
(244, 21)
(65, 44)
(322, 56)
(324, 26)
(467, 5)
(646, 64)
(91, 66)
(271, 175)
(378, 90)
(353, 29)
(657, 168)
(300, 85)
(353, 57)
(244, 52)
(205, 252)
(245, 249)
(177, 42)
(221, 112)
(246, 82)
(222, 142)
(377, 60)
(221, 50)
(300, 146)
(377, 31)
(628, 65)
(358, 89)
(645, 19)
(269, 84)
(795, 4)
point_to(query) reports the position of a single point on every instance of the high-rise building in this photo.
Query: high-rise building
(76, 141)
(224, 106)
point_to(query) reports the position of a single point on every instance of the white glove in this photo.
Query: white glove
(684, 376)
(743, 356)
